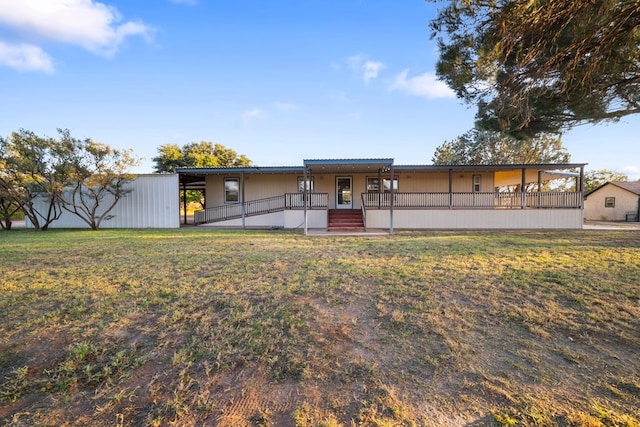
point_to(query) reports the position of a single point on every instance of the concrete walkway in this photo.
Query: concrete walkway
(611, 225)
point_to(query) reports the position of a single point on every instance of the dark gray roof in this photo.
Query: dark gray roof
(240, 169)
(362, 163)
(633, 186)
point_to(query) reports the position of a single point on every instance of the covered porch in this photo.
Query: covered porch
(394, 196)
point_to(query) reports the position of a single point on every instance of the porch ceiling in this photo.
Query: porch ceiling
(514, 177)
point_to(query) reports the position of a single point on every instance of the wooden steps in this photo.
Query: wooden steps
(345, 220)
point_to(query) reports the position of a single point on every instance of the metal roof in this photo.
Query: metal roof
(493, 167)
(241, 169)
(345, 166)
(348, 161)
(367, 165)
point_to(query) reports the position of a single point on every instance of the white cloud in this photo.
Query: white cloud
(371, 70)
(368, 70)
(632, 171)
(25, 57)
(94, 26)
(286, 106)
(425, 85)
(249, 117)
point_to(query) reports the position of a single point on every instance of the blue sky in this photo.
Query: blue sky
(277, 80)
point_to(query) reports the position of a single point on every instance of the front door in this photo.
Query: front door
(343, 193)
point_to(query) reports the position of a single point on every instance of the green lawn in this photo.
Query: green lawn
(201, 327)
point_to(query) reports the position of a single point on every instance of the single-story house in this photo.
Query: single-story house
(613, 201)
(359, 194)
(154, 202)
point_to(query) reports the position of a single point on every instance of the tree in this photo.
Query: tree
(595, 178)
(35, 167)
(541, 66)
(98, 178)
(65, 173)
(482, 147)
(488, 147)
(197, 155)
(8, 202)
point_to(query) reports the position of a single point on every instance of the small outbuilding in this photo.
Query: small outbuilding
(154, 202)
(613, 201)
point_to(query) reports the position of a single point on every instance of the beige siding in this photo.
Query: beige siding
(625, 201)
(270, 185)
(438, 182)
(256, 186)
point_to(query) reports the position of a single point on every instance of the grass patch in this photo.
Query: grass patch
(202, 327)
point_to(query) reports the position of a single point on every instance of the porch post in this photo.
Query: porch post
(304, 197)
(393, 196)
(242, 198)
(523, 184)
(539, 198)
(580, 187)
(539, 181)
(184, 199)
(450, 188)
(380, 189)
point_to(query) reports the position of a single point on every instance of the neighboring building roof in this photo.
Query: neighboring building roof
(631, 186)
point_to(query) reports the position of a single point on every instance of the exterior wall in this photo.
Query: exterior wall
(476, 219)
(316, 218)
(255, 186)
(153, 203)
(271, 185)
(626, 201)
(289, 219)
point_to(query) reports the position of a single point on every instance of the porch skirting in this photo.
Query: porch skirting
(422, 219)
(290, 219)
(413, 219)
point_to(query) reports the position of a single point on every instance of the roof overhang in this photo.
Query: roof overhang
(346, 166)
(194, 178)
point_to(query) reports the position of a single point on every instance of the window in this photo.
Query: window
(386, 185)
(231, 190)
(477, 179)
(301, 184)
(609, 202)
(373, 185)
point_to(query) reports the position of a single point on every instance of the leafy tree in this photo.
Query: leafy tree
(197, 155)
(535, 67)
(8, 202)
(595, 178)
(8, 208)
(482, 147)
(66, 173)
(169, 159)
(98, 178)
(487, 147)
(35, 167)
